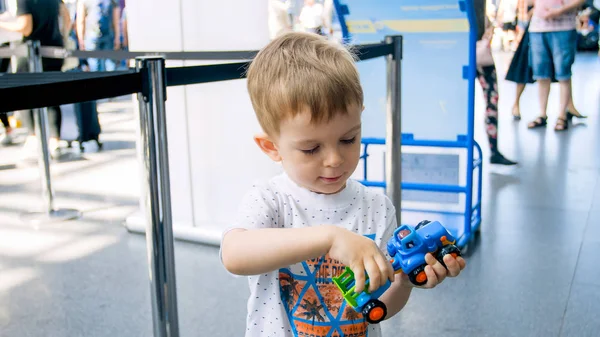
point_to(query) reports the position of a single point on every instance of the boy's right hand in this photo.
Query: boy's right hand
(359, 254)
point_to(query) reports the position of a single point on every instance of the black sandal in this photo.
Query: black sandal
(570, 115)
(538, 123)
(562, 124)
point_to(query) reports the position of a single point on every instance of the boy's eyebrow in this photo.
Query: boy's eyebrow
(357, 127)
(312, 141)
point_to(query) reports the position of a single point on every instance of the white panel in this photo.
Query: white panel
(225, 25)
(154, 25)
(225, 160)
(179, 163)
(165, 35)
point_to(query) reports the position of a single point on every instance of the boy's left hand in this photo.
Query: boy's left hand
(435, 271)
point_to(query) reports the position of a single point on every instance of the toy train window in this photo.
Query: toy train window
(408, 238)
(403, 233)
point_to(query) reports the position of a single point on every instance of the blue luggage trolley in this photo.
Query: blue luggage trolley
(441, 175)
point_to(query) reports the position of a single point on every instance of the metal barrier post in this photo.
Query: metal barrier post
(40, 116)
(393, 134)
(157, 196)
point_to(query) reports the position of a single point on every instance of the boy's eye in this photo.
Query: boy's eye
(311, 151)
(349, 141)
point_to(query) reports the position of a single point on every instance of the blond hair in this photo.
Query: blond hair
(299, 72)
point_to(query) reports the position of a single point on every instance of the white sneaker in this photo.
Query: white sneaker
(6, 140)
(30, 147)
(53, 148)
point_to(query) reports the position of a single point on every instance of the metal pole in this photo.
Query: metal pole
(393, 134)
(157, 196)
(40, 116)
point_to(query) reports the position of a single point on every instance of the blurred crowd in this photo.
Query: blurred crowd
(511, 18)
(314, 16)
(75, 24)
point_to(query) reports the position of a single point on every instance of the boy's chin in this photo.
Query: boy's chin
(329, 189)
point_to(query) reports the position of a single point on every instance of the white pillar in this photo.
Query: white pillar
(213, 159)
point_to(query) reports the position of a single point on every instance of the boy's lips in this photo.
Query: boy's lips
(331, 179)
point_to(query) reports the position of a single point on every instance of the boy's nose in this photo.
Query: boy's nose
(333, 159)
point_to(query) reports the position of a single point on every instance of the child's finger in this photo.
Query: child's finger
(432, 279)
(385, 267)
(452, 266)
(461, 262)
(437, 267)
(374, 273)
(359, 277)
(430, 260)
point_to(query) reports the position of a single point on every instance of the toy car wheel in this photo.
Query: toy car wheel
(418, 276)
(447, 249)
(422, 224)
(374, 311)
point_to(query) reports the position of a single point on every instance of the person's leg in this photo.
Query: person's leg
(541, 64)
(106, 43)
(91, 44)
(54, 113)
(490, 95)
(488, 80)
(516, 110)
(101, 62)
(27, 118)
(571, 109)
(109, 44)
(4, 120)
(563, 53)
(6, 139)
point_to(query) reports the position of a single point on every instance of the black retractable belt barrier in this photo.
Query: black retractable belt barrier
(206, 74)
(30, 91)
(61, 53)
(371, 51)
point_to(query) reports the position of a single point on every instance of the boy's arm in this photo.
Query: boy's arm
(257, 251)
(396, 297)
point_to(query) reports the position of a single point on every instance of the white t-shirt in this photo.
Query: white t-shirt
(509, 8)
(311, 17)
(297, 301)
(278, 17)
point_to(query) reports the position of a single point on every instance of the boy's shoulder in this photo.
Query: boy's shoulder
(272, 186)
(267, 191)
(369, 194)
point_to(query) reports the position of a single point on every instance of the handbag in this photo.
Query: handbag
(484, 53)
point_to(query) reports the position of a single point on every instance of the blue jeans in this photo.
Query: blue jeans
(552, 50)
(101, 43)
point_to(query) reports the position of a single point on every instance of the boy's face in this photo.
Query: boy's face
(319, 157)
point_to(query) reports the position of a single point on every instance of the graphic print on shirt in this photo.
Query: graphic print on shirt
(314, 305)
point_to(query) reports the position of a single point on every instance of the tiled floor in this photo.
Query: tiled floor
(533, 273)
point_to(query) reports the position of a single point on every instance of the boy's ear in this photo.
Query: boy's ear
(267, 146)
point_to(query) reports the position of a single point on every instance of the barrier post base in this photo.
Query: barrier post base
(55, 215)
